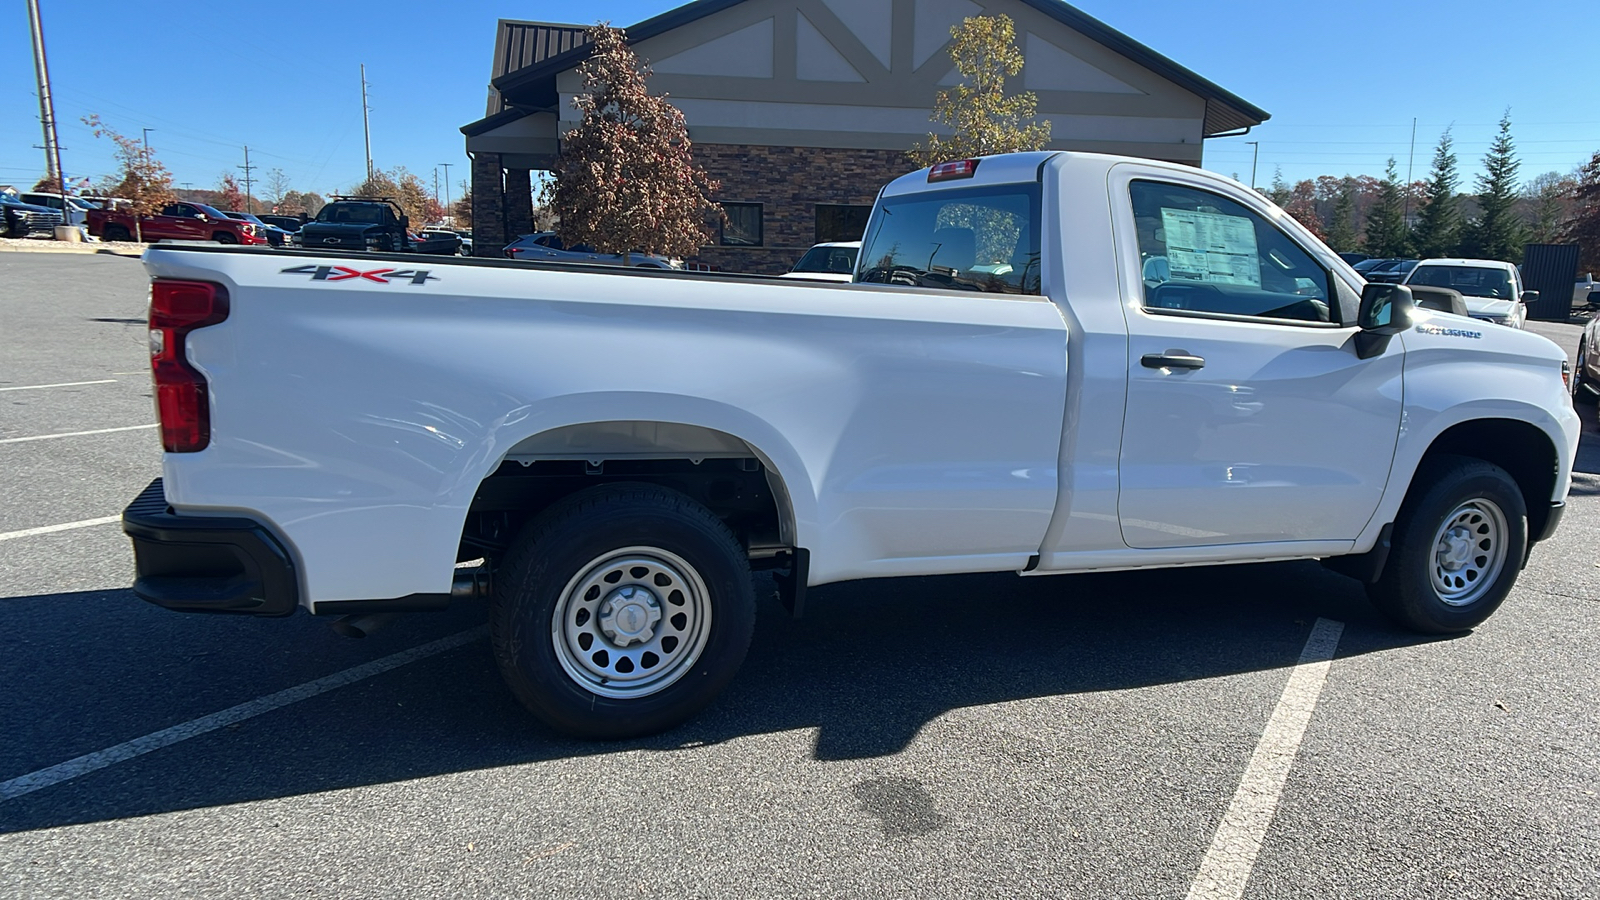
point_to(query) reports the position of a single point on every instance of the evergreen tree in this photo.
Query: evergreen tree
(1280, 192)
(1438, 231)
(984, 50)
(1498, 233)
(1342, 230)
(1387, 234)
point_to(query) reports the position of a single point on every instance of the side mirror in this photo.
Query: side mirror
(1530, 296)
(405, 221)
(1385, 312)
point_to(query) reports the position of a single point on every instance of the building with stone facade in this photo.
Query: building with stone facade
(803, 109)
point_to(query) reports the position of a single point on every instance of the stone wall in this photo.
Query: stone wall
(488, 205)
(789, 182)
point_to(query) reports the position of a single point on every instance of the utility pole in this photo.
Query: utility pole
(147, 144)
(1254, 157)
(1411, 159)
(247, 167)
(47, 104)
(366, 124)
(446, 167)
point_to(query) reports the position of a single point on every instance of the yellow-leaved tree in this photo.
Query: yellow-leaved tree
(984, 118)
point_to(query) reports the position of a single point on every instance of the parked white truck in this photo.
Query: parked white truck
(1050, 363)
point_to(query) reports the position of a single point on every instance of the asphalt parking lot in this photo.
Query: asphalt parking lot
(971, 736)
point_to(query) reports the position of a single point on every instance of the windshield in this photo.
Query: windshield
(973, 239)
(354, 213)
(1471, 281)
(835, 260)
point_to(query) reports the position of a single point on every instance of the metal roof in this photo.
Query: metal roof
(519, 44)
(532, 84)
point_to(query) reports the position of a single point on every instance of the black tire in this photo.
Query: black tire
(1583, 391)
(1408, 590)
(115, 233)
(223, 237)
(540, 596)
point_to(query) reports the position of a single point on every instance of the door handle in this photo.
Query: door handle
(1172, 359)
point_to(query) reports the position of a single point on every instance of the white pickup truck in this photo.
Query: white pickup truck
(1049, 363)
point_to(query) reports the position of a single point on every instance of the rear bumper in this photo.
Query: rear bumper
(207, 564)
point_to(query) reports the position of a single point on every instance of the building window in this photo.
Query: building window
(742, 227)
(841, 223)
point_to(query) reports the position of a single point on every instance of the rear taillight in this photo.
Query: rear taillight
(182, 398)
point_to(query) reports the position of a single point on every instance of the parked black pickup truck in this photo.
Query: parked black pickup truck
(368, 223)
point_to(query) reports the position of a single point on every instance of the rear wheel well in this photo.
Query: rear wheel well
(1520, 448)
(735, 489)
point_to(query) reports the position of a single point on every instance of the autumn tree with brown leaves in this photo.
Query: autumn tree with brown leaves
(1583, 228)
(626, 180)
(145, 183)
(985, 119)
(232, 197)
(406, 190)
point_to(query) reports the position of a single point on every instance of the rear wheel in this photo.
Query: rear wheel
(1457, 548)
(115, 233)
(621, 611)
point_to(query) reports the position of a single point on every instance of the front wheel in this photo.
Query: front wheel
(1582, 390)
(621, 611)
(223, 237)
(1457, 548)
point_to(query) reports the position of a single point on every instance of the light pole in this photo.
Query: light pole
(1254, 157)
(147, 144)
(446, 167)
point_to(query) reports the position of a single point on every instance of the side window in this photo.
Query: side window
(1201, 252)
(175, 209)
(841, 223)
(742, 227)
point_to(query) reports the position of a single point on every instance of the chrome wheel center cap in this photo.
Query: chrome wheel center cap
(1455, 549)
(629, 615)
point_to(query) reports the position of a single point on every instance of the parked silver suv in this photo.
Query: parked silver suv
(547, 246)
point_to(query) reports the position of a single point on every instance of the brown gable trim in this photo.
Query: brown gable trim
(534, 86)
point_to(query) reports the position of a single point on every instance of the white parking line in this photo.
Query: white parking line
(166, 737)
(1227, 865)
(50, 437)
(51, 529)
(40, 387)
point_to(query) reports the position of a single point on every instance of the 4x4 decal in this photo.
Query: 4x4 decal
(345, 273)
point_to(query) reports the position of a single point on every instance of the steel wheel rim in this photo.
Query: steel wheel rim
(1469, 551)
(631, 623)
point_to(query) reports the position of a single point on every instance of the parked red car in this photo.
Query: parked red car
(178, 222)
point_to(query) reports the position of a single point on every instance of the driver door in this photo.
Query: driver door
(1249, 417)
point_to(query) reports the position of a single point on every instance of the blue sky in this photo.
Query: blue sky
(282, 77)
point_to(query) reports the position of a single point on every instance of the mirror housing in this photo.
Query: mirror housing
(1530, 296)
(405, 221)
(1385, 312)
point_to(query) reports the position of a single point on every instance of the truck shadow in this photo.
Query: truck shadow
(870, 665)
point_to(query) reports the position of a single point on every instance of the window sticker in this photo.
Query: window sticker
(1211, 247)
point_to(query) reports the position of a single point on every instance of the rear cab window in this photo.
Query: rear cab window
(969, 239)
